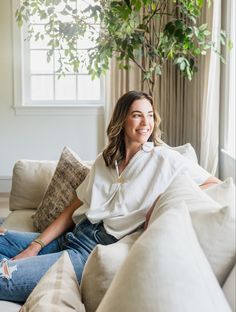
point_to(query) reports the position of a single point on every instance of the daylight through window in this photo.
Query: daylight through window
(43, 86)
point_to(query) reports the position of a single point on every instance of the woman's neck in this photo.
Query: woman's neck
(129, 153)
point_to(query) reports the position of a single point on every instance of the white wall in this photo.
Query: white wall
(37, 137)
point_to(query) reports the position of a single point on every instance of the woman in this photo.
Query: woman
(124, 182)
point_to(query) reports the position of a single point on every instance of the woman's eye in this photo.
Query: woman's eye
(136, 115)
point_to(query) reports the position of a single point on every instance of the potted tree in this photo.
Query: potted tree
(146, 32)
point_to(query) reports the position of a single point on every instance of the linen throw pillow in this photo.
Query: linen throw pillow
(229, 289)
(58, 290)
(187, 151)
(29, 183)
(101, 267)
(69, 174)
(213, 217)
(166, 271)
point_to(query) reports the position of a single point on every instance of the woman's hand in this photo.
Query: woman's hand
(32, 250)
(209, 182)
(148, 215)
(54, 230)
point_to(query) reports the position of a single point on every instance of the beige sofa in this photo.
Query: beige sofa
(153, 286)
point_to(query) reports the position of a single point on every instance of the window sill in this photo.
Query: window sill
(228, 154)
(59, 110)
(227, 165)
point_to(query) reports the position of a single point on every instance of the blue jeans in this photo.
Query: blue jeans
(24, 274)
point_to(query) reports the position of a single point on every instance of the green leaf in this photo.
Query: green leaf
(197, 51)
(189, 73)
(170, 55)
(154, 6)
(230, 44)
(179, 60)
(209, 3)
(199, 3)
(203, 27)
(48, 57)
(170, 28)
(182, 66)
(206, 32)
(158, 70)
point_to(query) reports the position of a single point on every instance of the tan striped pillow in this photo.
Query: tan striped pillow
(58, 290)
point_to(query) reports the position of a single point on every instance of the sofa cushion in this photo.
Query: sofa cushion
(100, 269)
(7, 306)
(213, 218)
(29, 182)
(166, 270)
(58, 290)
(229, 289)
(20, 220)
(69, 173)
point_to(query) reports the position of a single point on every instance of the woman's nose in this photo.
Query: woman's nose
(144, 120)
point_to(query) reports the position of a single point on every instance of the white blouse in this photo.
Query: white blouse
(122, 201)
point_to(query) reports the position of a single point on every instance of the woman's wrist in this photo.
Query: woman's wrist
(35, 246)
(39, 242)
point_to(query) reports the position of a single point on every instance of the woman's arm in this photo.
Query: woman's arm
(55, 229)
(209, 182)
(148, 215)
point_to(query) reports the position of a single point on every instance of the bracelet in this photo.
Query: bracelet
(40, 242)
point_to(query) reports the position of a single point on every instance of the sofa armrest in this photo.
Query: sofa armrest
(29, 182)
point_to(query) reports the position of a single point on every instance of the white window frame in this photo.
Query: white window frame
(227, 163)
(22, 105)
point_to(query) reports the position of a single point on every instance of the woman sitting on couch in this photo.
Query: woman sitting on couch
(113, 200)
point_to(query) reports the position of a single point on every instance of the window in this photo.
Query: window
(228, 99)
(37, 84)
(228, 84)
(230, 131)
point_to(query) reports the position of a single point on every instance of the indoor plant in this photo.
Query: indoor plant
(146, 32)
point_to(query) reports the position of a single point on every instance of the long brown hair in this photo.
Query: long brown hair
(115, 149)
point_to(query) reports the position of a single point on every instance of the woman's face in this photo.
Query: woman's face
(139, 122)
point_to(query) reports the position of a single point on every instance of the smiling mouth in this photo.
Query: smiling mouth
(143, 131)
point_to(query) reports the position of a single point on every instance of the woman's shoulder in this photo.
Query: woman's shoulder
(165, 150)
(99, 163)
(99, 160)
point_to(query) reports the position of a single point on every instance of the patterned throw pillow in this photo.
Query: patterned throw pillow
(69, 174)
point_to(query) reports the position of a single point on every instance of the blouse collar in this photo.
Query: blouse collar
(147, 147)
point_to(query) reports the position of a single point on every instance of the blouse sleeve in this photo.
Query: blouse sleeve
(196, 172)
(84, 190)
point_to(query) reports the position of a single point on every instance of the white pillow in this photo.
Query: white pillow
(58, 290)
(213, 220)
(229, 289)
(187, 151)
(100, 268)
(165, 271)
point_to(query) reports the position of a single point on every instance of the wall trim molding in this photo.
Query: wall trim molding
(59, 110)
(5, 185)
(4, 195)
